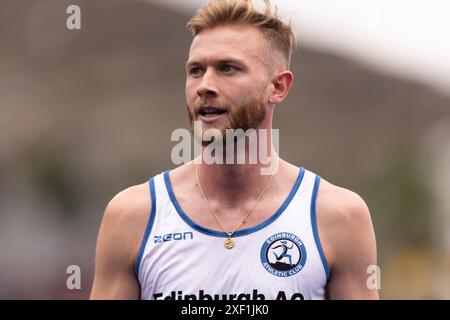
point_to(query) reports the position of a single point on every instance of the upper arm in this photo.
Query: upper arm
(118, 242)
(350, 245)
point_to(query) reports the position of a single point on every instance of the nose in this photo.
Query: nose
(208, 86)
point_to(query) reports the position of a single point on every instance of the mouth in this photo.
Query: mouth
(211, 112)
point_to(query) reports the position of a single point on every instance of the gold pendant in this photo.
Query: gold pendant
(229, 243)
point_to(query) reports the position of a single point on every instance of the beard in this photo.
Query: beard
(248, 115)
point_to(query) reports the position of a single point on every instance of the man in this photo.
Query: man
(226, 231)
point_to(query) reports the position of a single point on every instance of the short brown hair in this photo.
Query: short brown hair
(221, 12)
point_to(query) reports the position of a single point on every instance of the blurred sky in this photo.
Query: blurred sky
(408, 38)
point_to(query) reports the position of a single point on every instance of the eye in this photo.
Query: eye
(195, 71)
(228, 68)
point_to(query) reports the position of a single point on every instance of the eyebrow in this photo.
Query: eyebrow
(220, 62)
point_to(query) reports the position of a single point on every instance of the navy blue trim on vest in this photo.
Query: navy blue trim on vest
(315, 229)
(148, 229)
(238, 233)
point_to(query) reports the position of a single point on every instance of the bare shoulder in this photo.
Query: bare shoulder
(118, 242)
(126, 217)
(344, 222)
(337, 203)
(130, 203)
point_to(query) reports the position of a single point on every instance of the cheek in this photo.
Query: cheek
(244, 94)
(237, 93)
(190, 92)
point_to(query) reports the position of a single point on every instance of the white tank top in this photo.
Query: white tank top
(279, 259)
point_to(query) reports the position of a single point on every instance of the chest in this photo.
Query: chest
(230, 213)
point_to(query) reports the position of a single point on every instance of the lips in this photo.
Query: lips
(211, 111)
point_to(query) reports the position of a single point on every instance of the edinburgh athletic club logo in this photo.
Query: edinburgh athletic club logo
(283, 254)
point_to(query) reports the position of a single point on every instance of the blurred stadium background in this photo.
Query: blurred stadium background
(85, 114)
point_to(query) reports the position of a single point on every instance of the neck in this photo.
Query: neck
(235, 183)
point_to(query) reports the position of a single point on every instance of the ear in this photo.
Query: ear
(282, 83)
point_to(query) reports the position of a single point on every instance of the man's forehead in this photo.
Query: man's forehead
(239, 40)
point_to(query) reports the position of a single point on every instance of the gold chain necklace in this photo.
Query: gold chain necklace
(229, 243)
